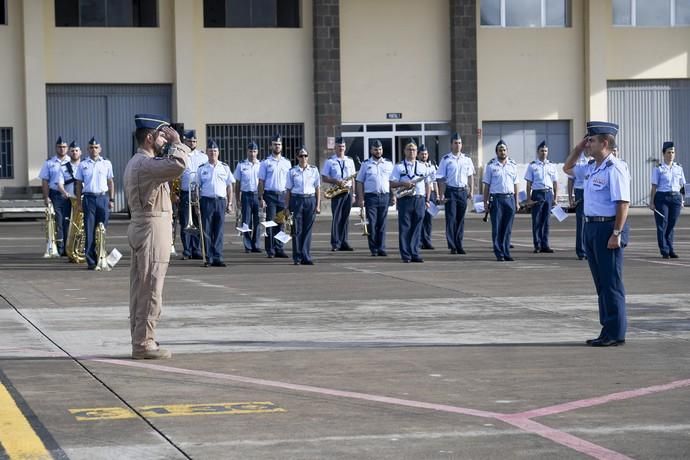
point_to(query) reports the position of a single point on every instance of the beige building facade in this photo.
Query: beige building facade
(388, 69)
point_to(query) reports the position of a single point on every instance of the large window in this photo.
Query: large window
(232, 139)
(106, 13)
(251, 13)
(6, 164)
(651, 13)
(522, 138)
(525, 13)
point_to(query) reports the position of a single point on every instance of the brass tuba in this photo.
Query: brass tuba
(51, 232)
(76, 237)
(101, 254)
(337, 190)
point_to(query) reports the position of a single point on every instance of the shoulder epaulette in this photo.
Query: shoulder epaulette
(591, 162)
(533, 162)
(609, 163)
(510, 160)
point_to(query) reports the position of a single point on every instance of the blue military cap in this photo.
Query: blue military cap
(667, 145)
(211, 144)
(150, 121)
(253, 146)
(302, 148)
(339, 140)
(455, 137)
(409, 141)
(422, 148)
(190, 134)
(541, 145)
(500, 143)
(93, 141)
(277, 138)
(376, 144)
(73, 145)
(59, 141)
(601, 127)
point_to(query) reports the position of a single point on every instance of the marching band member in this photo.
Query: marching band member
(191, 247)
(373, 192)
(215, 187)
(542, 188)
(501, 188)
(455, 177)
(95, 192)
(666, 199)
(576, 192)
(52, 172)
(413, 175)
(68, 183)
(337, 170)
(423, 156)
(247, 197)
(607, 197)
(304, 202)
(273, 173)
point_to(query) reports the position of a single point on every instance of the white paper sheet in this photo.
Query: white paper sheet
(113, 258)
(269, 223)
(282, 237)
(522, 196)
(479, 207)
(559, 213)
(433, 209)
(244, 228)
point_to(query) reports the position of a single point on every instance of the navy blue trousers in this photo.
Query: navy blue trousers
(456, 207)
(340, 206)
(96, 210)
(191, 245)
(213, 216)
(410, 218)
(376, 211)
(606, 266)
(427, 225)
(502, 215)
(540, 217)
(250, 216)
(669, 204)
(579, 221)
(63, 209)
(275, 202)
(303, 211)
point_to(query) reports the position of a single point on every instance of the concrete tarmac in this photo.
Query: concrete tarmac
(356, 357)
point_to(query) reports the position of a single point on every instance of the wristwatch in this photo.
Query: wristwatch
(616, 232)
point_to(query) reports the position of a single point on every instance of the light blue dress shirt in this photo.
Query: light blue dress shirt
(214, 180)
(336, 168)
(94, 175)
(542, 175)
(53, 171)
(69, 188)
(605, 185)
(455, 169)
(196, 159)
(668, 178)
(501, 178)
(375, 175)
(273, 171)
(303, 181)
(248, 175)
(406, 171)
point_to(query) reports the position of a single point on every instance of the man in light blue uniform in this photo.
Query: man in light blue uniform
(273, 173)
(52, 173)
(427, 225)
(95, 192)
(304, 201)
(666, 199)
(337, 170)
(191, 247)
(373, 192)
(607, 197)
(69, 180)
(576, 193)
(455, 178)
(247, 196)
(411, 175)
(500, 197)
(215, 186)
(542, 187)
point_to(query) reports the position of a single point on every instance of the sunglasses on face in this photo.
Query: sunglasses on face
(302, 156)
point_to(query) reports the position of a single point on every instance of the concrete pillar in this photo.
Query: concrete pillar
(597, 21)
(185, 100)
(327, 105)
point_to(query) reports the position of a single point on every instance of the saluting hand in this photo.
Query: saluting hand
(171, 135)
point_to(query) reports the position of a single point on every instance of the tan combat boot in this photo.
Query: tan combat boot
(157, 353)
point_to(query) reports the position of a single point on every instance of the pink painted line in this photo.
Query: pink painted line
(566, 407)
(306, 388)
(565, 439)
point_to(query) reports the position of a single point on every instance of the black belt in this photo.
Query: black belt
(455, 188)
(502, 194)
(274, 191)
(600, 218)
(670, 192)
(541, 189)
(94, 194)
(303, 195)
(376, 193)
(246, 192)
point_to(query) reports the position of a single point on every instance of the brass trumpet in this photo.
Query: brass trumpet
(363, 220)
(51, 232)
(337, 190)
(101, 254)
(262, 220)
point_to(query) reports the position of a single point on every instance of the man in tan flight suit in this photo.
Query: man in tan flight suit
(150, 231)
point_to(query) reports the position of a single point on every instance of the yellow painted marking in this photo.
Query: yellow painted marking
(176, 410)
(17, 437)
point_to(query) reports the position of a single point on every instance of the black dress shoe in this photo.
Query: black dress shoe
(418, 260)
(281, 255)
(307, 262)
(295, 263)
(219, 264)
(606, 342)
(547, 250)
(537, 250)
(333, 249)
(246, 251)
(591, 341)
(197, 257)
(453, 251)
(511, 246)
(665, 256)
(673, 255)
(91, 267)
(373, 254)
(428, 246)
(461, 251)
(383, 253)
(185, 257)
(500, 259)
(270, 256)
(581, 257)
(345, 248)
(405, 261)
(255, 250)
(509, 259)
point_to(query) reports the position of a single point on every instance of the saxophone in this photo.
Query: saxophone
(409, 191)
(337, 190)
(51, 232)
(101, 254)
(76, 237)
